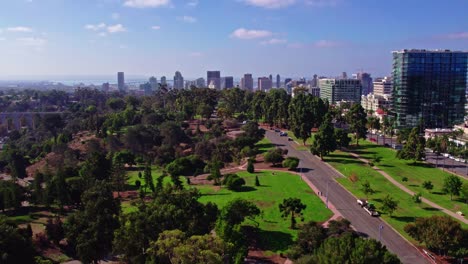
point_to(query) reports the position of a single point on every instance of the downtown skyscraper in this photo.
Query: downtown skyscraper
(121, 81)
(247, 82)
(178, 80)
(213, 79)
(429, 87)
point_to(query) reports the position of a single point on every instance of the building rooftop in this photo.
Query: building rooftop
(428, 50)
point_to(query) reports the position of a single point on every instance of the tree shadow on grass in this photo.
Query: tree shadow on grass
(274, 240)
(246, 189)
(414, 185)
(406, 219)
(432, 209)
(130, 187)
(421, 165)
(384, 165)
(439, 193)
(262, 148)
(215, 194)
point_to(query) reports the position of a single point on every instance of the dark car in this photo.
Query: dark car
(290, 139)
(277, 130)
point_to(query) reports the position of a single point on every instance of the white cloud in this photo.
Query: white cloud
(274, 41)
(33, 42)
(156, 27)
(19, 29)
(102, 34)
(270, 4)
(116, 28)
(147, 3)
(187, 19)
(326, 44)
(195, 54)
(115, 16)
(192, 3)
(96, 27)
(243, 33)
(458, 35)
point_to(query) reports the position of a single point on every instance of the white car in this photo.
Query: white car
(457, 159)
(446, 155)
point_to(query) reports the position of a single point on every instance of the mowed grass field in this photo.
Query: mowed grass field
(275, 234)
(407, 211)
(415, 173)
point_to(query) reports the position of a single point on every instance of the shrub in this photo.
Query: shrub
(291, 163)
(274, 156)
(250, 166)
(257, 182)
(233, 182)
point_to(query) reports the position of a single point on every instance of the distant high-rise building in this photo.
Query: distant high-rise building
(214, 79)
(264, 84)
(271, 78)
(178, 80)
(429, 86)
(227, 82)
(278, 81)
(337, 90)
(105, 87)
(383, 86)
(366, 81)
(344, 75)
(247, 82)
(163, 80)
(288, 85)
(154, 83)
(121, 81)
(315, 81)
(200, 83)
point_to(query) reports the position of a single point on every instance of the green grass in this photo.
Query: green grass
(275, 234)
(264, 145)
(132, 176)
(416, 174)
(407, 210)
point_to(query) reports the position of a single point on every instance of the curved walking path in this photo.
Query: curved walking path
(403, 188)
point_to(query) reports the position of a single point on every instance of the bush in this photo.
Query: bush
(257, 182)
(185, 166)
(250, 166)
(291, 163)
(233, 182)
(275, 156)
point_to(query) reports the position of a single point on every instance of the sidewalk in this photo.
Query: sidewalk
(403, 188)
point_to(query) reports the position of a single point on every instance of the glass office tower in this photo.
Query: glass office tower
(429, 87)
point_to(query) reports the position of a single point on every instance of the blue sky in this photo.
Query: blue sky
(157, 37)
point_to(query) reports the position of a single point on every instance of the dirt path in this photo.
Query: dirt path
(403, 188)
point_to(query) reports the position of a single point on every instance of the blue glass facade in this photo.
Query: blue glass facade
(429, 87)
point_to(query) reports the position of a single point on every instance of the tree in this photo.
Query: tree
(350, 249)
(250, 166)
(257, 182)
(416, 198)
(233, 182)
(389, 205)
(90, 231)
(324, 140)
(342, 138)
(464, 192)
(274, 156)
(414, 149)
(452, 185)
(309, 238)
(291, 163)
(292, 207)
(428, 185)
(147, 175)
(301, 116)
(172, 247)
(366, 189)
(440, 233)
(54, 229)
(357, 120)
(14, 246)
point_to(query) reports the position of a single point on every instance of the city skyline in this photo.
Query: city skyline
(127, 35)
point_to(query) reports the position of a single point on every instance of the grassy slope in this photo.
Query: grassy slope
(264, 145)
(416, 174)
(407, 210)
(275, 235)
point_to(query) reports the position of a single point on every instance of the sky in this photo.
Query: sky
(158, 37)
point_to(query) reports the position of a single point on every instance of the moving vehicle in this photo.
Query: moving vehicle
(283, 134)
(368, 207)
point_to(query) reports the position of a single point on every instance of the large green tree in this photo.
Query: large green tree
(357, 120)
(15, 246)
(414, 148)
(292, 207)
(324, 140)
(452, 185)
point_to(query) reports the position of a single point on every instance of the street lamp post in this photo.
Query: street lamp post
(380, 231)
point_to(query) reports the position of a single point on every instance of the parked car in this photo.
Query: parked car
(277, 130)
(283, 134)
(290, 139)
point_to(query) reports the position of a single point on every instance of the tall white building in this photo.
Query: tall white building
(337, 90)
(383, 86)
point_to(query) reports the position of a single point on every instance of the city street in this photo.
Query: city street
(323, 177)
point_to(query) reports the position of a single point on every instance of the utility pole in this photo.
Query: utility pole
(380, 231)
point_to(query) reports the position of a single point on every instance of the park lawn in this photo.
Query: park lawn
(275, 235)
(264, 145)
(132, 176)
(416, 174)
(407, 210)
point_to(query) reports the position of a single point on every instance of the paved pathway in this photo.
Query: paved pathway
(403, 188)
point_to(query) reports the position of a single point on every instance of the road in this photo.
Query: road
(451, 165)
(322, 177)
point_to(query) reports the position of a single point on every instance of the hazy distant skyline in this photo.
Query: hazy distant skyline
(157, 37)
